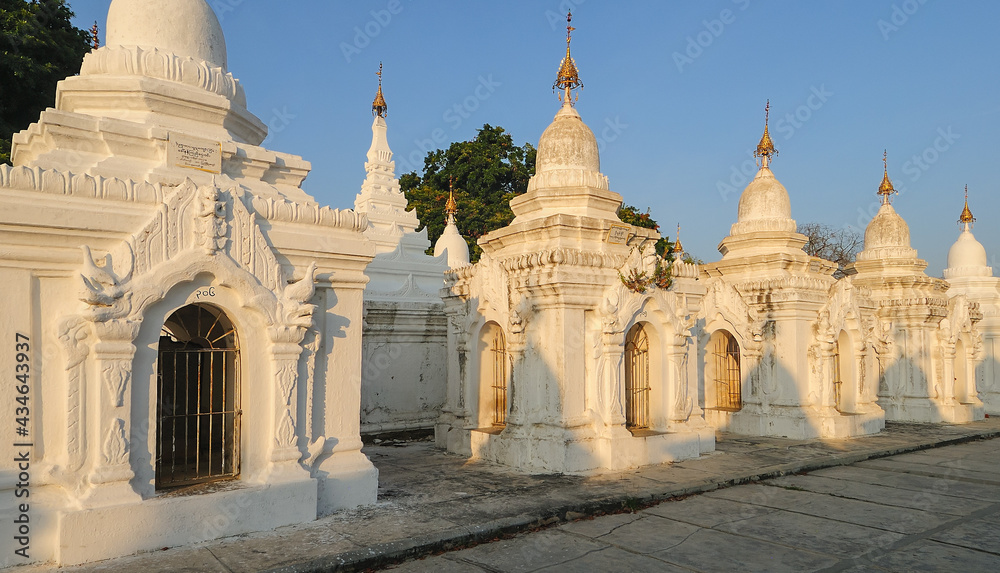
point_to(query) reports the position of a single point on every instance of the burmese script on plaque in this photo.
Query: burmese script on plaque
(618, 234)
(199, 154)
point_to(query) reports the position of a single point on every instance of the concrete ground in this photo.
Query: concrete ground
(936, 510)
(927, 506)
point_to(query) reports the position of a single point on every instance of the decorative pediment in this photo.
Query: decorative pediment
(208, 219)
(723, 299)
(962, 318)
(843, 311)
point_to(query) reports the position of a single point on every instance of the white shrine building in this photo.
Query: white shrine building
(191, 319)
(405, 340)
(198, 341)
(970, 276)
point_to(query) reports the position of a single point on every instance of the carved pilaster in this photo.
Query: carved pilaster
(111, 359)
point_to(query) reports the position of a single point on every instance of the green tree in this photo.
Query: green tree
(38, 47)
(486, 172)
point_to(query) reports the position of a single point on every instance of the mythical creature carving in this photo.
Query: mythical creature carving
(294, 300)
(104, 292)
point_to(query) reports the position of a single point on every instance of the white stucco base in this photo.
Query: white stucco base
(925, 410)
(796, 422)
(556, 450)
(346, 480)
(171, 521)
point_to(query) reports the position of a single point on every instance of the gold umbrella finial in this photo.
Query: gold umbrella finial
(966, 218)
(765, 149)
(451, 207)
(379, 108)
(886, 189)
(568, 78)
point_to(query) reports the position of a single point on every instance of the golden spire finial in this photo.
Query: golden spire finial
(379, 108)
(886, 189)
(678, 248)
(95, 35)
(568, 78)
(451, 207)
(765, 149)
(966, 218)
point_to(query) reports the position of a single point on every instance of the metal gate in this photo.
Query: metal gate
(198, 398)
(637, 378)
(498, 351)
(838, 380)
(727, 373)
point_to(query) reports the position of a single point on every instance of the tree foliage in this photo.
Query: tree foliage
(840, 246)
(38, 47)
(487, 173)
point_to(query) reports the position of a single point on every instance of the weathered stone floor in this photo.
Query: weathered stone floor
(936, 510)
(431, 501)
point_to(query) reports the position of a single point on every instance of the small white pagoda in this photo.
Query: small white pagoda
(969, 275)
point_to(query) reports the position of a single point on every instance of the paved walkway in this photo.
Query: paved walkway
(431, 501)
(936, 510)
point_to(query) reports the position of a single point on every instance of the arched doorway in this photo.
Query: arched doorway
(637, 378)
(843, 374)
(726, 371)
(965, 388)
(198, 398)
(497, 357)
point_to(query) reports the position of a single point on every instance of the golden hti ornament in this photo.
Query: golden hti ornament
(886, 190)
(379, 108)
(765, 149)
(568, 78)
(966, 218)
(451, 207)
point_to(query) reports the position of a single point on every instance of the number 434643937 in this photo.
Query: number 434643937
(22, 368)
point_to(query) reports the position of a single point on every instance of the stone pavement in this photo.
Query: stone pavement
(936, 510)
(431, 501)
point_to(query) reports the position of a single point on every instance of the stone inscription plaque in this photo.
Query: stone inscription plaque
(618, 234)
(199, 154)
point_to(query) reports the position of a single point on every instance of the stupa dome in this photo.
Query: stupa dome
(967, 253)
(764, 206)
(567, 144)
(887, 230)
(967, 257)
(187, 28)
(452, 242)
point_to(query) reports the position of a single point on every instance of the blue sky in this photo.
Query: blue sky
(674, 91)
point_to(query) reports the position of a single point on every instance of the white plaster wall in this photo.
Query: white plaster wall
(404, 372)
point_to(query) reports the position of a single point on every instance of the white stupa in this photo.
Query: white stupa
(451, 242)
(921, 382)
(970, 275)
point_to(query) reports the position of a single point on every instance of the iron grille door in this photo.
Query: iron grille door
(727, 373)
(498, 349)
(637, 379)
(198, 398)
